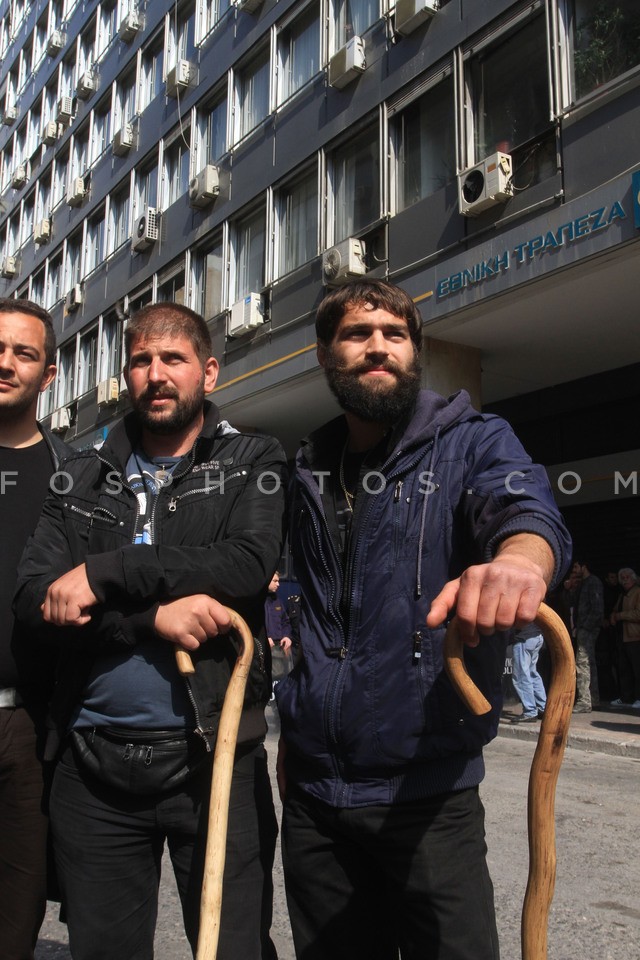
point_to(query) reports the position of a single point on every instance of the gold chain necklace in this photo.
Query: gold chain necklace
(348, 496)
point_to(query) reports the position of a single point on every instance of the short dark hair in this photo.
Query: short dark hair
(14, 305)
(380, 294)
(169, 319)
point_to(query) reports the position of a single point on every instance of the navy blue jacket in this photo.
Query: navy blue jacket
(368, 715)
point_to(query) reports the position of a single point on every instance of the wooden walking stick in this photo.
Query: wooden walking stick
(544, 768)
(211, 899)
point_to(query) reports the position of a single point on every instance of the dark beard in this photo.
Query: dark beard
(185, 412)
(375, 402)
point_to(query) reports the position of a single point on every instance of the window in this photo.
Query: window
(72, 261)
(353, 17)
(106, 26)
(60, 172)
(182, 35)
(176, 168)
(171, 283)
(101, 130)
(252, 93)
(297, 218)
(43, 197)
(212, 131)
(605, 42)
(211, 12)
(146, 189)
(112, 333)
(66, 374)
(249, 254)
(54, 291)
(152, 71)
(509, 107)
(86, 49)
(119, 229)
(125, 102)
(425, 145)
(36, 291)
(95, 248)
(80, 153)
(355, 182)
(210, 279)
(298, 52)
(27, 219)
(88, 361)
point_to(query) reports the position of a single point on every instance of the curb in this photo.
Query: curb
(577, 740)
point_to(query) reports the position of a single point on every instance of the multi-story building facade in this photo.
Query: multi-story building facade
(484, 154)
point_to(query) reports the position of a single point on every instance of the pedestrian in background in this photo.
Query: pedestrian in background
(527, 682)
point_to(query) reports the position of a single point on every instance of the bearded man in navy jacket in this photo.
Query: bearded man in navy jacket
(407, 507)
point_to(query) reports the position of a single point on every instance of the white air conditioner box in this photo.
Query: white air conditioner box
(249, 6)
(108, 391)
(344, 262)
(146, 232)
(246, 315)
(130, 26)
(10, 115)
(347, 64)
(411, 13)
(86, 85)
(77, 192)
(123, 140)
(179, 77)
(56, 42)
(42, 231)
(74, 297)
(50, 132)
(9, 267)
(485, 185)
(19, 176)
(65, 110)
(204, 187)
(60, 420)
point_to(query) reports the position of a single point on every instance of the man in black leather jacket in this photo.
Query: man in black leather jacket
(176, 517)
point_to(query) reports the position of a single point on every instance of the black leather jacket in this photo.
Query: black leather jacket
(217, 530)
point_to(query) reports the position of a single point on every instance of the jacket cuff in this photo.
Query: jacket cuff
(104, 570)
(530, 523)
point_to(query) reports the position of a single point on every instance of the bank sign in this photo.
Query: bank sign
(540, 245)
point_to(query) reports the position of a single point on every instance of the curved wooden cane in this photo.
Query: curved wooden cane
(211, 899)
(544, 768)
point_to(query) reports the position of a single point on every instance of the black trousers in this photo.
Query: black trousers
(108, 847)
(367, 883)
(23, 833)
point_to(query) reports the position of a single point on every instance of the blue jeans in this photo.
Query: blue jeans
(527, 681)
(366, 882)
(108, 847)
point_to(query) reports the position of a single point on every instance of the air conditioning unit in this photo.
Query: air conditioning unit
(19, 176)
(146, 232)
(204, 187)
(86, 85)
(249, 6)
(56, 42)
(50, 132)
(411, 13)
(74, 297)
(107, 391)
(130, 26)
(344, 262)
(76, 192)
(65, 110)
(42, 231)
(246, 315)
(485, 185)
(9, 267)
(10, 115)
(179, 77)
(60, 420)
(347, 64)
(122, 140)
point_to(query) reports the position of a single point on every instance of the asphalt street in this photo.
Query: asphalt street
(596, 909)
